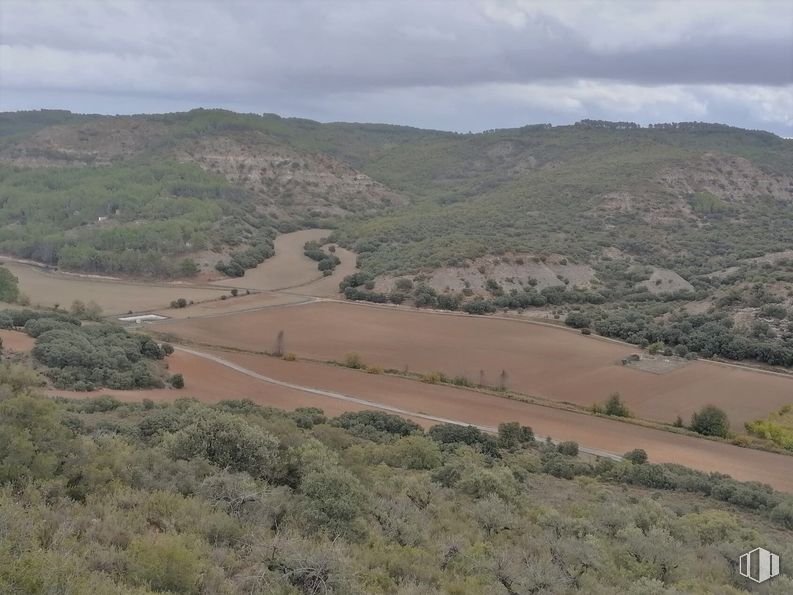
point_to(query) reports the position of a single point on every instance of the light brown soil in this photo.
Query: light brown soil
(211, 382)
(115, 297)
(511, 271)
(291, 269)
(240, 303)
(550, 362)
(16, 341)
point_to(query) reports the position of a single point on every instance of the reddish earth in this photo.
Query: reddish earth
(291, 269)
(210, 381)
(47, 288)
(550, 362)
(16, 341)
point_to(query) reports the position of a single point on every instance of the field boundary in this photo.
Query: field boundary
(359, 401)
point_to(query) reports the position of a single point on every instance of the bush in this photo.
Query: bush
(403, 285)
(165, 562)
(567, 448)
(710, 421)
(470, 435)
(308, 417)
(479, 306)
(512, 435)
(636, 456)
(613, 406)
(9, 286)
(353, 360)
(228, 442)
(578, 320)
(99, 355)
(361, 423)
(177, 381)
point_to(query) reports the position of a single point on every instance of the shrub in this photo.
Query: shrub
(432, 377)
(578, 320)
(228, 441)
(636, 456)
(166, 562)
(512, 435)
(353, 360)
(568, 448)
(403, 285)
(9, 286)
(479, 306)
(359, 422)
(613, 406)
(289, 357)
(470, 435)
(177, 381)
(308, 417)
(710, 421)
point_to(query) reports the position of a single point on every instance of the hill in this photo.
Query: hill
(687, 225)
(104, 496)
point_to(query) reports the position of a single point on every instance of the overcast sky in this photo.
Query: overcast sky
(456, 65)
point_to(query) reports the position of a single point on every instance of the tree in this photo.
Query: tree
(578, 319)
(279, 344)
(9, 286)
(188, 268)
(568, 448)
(637, 456)
(512, 435)
(710, 421)
(615, 406)
(228, 441)
(503, 378)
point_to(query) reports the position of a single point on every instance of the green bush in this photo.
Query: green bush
(710, 421)
(568, 448)
(636, 456)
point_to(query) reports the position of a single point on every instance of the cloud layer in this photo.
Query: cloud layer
(445, 64)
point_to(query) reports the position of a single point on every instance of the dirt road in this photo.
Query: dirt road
(546, 361)
(214, 376)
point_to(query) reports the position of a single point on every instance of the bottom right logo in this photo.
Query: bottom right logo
(759, 565)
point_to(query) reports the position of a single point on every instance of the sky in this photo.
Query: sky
(464, 65)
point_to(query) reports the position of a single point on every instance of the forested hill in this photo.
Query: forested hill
(146, 194)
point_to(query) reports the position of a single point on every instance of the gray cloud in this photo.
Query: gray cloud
(451, 64)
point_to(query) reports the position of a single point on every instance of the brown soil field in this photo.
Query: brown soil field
(544, 361)
(211, 381)
(291, 269)
(115, 297)
(16, 341)
(242, 303)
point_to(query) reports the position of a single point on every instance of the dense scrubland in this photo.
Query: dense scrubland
(106, 496)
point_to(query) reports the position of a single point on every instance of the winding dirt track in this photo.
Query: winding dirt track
(215, 375)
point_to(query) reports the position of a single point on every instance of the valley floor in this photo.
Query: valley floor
(227, 339)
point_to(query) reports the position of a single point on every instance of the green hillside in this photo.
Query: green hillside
(671, 222)
(107, 497)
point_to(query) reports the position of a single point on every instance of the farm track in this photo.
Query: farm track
(364, 402)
